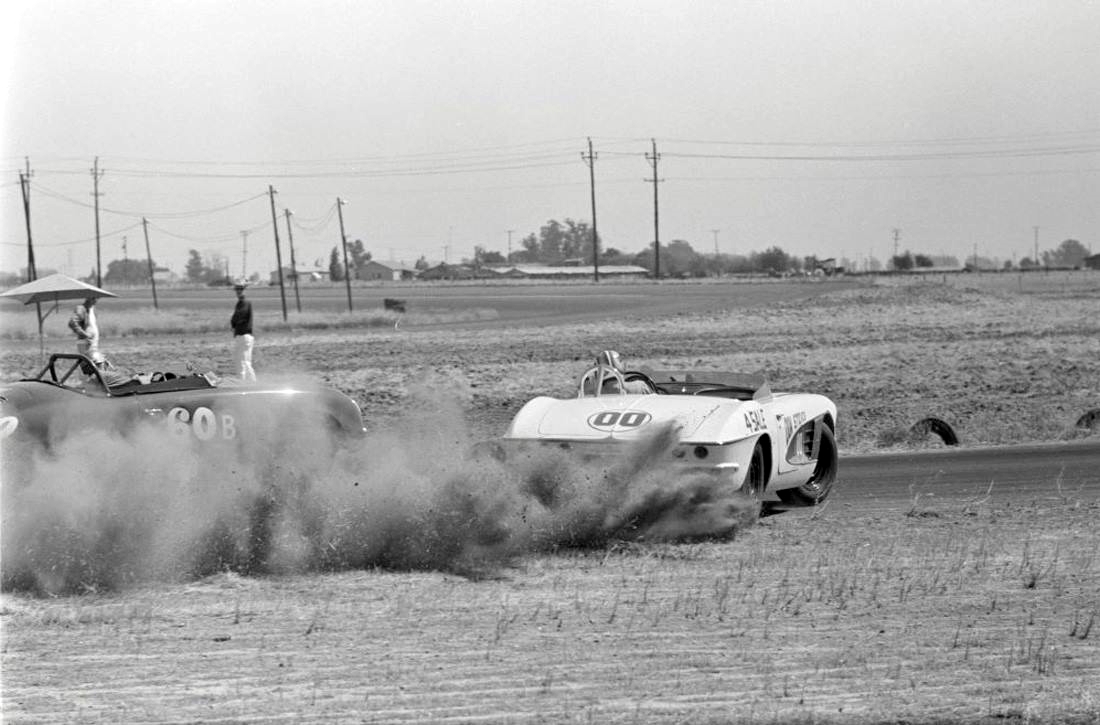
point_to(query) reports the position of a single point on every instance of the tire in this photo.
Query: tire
(756, 477)
(937, 427)
(820, 484)
(1090, 420)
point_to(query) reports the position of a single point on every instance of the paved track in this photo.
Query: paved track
(1030, 472)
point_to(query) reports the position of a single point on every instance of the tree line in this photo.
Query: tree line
(571, 241)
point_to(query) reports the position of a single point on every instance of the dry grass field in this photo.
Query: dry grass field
(964, 610)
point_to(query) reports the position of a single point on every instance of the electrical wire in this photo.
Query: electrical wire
(151, 215)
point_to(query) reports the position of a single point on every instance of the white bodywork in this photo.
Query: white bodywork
(716, 433)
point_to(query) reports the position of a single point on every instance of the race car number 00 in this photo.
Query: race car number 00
(204, 423)
(612, 420)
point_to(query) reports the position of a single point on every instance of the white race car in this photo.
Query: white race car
(772, 446)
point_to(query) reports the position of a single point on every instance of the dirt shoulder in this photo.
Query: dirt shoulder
(985, 613)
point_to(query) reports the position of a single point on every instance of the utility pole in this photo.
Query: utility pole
(96, 174)
(509, 257)
(244, 254)
(25, 186)
(278, 251)
(125, 256)
(590, 161)
(1036, 230)
(149, 256)
(344, 241)
(32, 271)
(897, 235)
(715, 233)
(653, 159)
(293, 263)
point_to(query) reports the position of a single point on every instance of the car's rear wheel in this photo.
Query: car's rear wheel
(820, 484)
(756, 476)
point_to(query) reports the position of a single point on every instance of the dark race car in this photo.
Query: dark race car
(71, 395)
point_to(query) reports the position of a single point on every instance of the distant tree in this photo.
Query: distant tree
(577, 240)
(195, 267)
(127, 271)
(678, 259)
(772, 259)
(215, 269)
(358, 256)
(491, 257)
(335, 267)
(421, 263)
(902, 262)
(1027, 263)
(923, 260)
(1070, 253)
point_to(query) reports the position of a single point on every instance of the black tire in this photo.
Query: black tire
(1090, 420)
(820, 484)
(757, 475)
(937, 427)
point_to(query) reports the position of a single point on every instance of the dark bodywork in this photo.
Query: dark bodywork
(70, 395)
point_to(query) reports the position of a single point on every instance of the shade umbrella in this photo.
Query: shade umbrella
(54, 288)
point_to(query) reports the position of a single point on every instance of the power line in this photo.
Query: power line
(150, 215)
(945, 155)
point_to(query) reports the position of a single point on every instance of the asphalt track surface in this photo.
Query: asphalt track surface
(953, 476)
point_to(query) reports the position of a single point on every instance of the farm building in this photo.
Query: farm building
(1092, 262)
(305, 274)
(386, 271)
(572, 271)
(456, 271)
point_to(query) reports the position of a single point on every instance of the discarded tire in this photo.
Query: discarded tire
(935, 426)
(1090, 420)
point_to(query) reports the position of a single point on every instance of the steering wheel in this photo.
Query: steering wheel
(594, 379)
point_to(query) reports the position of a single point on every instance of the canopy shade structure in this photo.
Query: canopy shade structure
(54, 288)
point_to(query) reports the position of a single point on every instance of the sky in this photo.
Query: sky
(818, 127)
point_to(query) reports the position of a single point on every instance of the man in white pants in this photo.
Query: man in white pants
(241, 322)
(84, 326)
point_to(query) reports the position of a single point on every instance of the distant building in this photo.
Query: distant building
(573, 271)
(165, 275)
(455, 271)
(1092, 262)
(386, 271)
(305, 274)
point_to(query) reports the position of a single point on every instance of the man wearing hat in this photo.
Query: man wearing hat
(241, 322)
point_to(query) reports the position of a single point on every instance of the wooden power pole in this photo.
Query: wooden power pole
(653, 159)
(293, 263)
(149, 257)
(590, 160)
(96, 174)
(344, 242)
(278, 252)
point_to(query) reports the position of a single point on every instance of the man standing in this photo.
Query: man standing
(241, 322)
(83, 324)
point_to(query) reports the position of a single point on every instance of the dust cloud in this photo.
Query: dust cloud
(105, 511)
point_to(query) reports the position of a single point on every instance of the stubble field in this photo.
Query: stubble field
(980, 610)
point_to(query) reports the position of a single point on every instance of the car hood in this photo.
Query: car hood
(627, 417)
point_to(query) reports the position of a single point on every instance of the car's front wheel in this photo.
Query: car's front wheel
(821, 482)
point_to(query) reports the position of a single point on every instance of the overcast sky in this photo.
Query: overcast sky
(817, 126)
